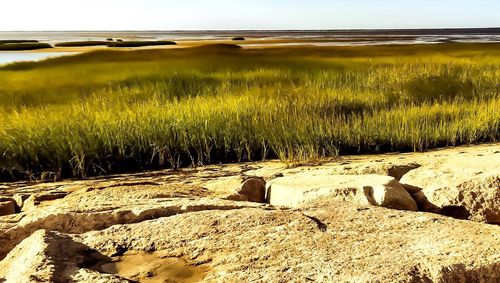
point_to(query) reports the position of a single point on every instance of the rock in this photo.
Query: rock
(36, 199)
(254, 189)
(395, 169)
(239, 188)
(20, 199)
(52, 257)
(328, 241)
(461, 184)
(7, 206)
(236, 197)
(391, 195)
(153, 225)
(298, 189)
(224, 186)
(84, 211)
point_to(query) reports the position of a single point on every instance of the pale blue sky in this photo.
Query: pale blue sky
(246, 14)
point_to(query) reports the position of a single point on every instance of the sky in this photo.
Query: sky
(46, 15)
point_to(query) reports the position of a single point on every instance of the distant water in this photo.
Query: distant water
(345, 36)
(10, 57)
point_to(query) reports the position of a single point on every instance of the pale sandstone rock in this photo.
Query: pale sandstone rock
(52, 257)
(34, 200)
(327, 241)
(239, 188)
(84, 211)
(395, 169)
(224, 186)
(298, 189)
(469, 181)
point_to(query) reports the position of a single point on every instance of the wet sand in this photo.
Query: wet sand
(154, 268)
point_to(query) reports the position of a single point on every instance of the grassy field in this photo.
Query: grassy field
(119, 111)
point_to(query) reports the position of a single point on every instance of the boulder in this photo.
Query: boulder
(300, 188)
(52, 257)
(390, 194)
(461, 185)
(239, 188)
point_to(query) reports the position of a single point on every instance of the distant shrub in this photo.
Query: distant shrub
(119, 40)
(139, 43)
(23, 46)
(109, 39)
(80, 43)
(18, 41)
(238, 38)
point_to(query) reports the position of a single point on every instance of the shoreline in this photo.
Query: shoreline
(253, 44)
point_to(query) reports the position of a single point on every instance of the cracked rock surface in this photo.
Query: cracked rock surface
(355, 219)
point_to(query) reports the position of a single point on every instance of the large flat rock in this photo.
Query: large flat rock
(94, 209)
(328, 241)
(297, 189)
(468, 180)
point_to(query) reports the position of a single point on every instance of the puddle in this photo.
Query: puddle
(152, 268)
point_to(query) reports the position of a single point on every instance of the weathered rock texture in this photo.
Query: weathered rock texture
(305, 187)
(352, 220)
(470, 183)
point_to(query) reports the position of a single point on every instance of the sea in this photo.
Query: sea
(259, 38)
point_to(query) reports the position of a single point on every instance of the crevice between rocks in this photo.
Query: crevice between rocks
(321, 226)
(424, 205)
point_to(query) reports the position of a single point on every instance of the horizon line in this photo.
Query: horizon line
(268, 30)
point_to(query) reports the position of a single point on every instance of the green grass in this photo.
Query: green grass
(119, 111)
(20, 46)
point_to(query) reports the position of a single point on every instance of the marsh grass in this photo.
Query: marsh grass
(119, 43)
(81, 43)
(18, 41)
(19, 46)
(117, 111)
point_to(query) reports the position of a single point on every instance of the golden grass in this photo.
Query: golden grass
(110, 111)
